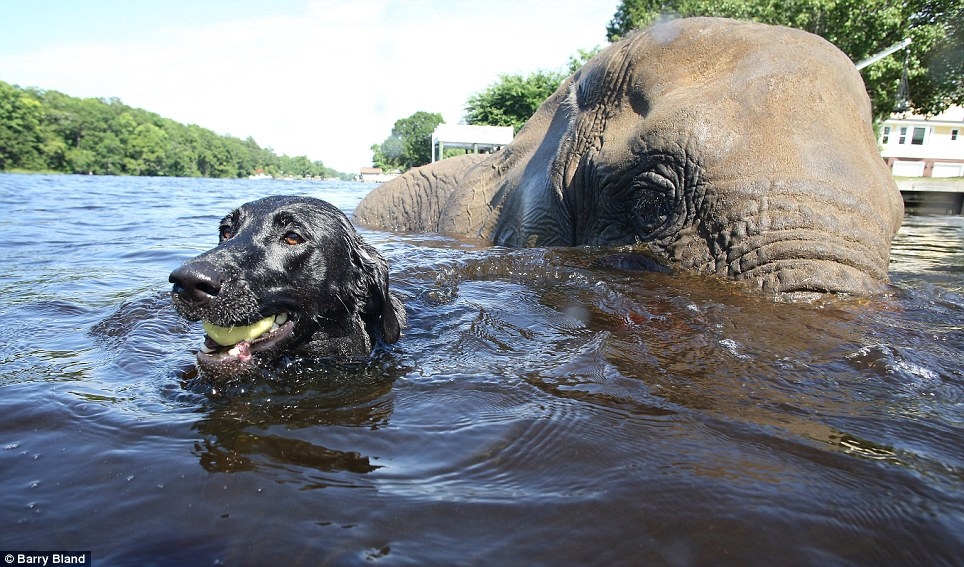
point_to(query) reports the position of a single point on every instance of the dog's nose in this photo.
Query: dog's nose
(196, 282)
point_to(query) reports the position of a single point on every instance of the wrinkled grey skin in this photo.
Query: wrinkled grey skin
(723, 147)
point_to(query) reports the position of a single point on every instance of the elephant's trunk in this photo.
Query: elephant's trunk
(807, 236)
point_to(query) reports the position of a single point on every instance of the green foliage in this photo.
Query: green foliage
(410, 143)
(513, 99)
(582, 57)
(20, 129)
(859, 28)
(50, 131)
(510, 101)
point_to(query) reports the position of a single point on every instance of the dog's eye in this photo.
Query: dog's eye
(293, 238)
(226, 233)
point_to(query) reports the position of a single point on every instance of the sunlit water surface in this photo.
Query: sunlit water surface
(544, 406)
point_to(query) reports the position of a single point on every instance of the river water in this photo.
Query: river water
(544, 407)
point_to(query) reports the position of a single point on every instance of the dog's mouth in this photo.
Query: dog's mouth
(237, 344)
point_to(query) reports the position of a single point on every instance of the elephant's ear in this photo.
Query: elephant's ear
(383, 313)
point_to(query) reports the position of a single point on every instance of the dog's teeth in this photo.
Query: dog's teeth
(281, 319)
(206, 349)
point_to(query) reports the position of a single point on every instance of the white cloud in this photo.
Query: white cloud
(330, 83)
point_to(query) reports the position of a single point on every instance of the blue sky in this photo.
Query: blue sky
(321, 78)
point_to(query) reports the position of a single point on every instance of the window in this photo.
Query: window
(954, 134)
(918, 138)
(903, 135)
(886, 137)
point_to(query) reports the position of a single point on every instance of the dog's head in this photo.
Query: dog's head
(290, 275)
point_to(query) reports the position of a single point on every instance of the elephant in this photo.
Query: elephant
(721, 147)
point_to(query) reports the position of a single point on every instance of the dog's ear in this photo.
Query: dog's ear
(383, 312)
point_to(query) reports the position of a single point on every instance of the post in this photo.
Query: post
(881, 54)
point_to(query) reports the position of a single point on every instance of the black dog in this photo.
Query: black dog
(290, 275)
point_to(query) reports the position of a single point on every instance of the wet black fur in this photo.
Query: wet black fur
(300, 256)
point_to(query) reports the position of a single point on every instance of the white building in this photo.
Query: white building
(917, 146)
(476, 138)
(375, 175)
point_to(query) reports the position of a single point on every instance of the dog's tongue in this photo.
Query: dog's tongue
(227, 336)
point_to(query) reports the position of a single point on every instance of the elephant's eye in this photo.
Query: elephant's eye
(658, 207)
(292, 238)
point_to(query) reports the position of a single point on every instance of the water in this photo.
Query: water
(544, 406)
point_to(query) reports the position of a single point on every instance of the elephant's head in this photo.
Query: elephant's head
(728, 148)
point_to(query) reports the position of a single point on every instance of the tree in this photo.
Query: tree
(21, 137)
(50, 130)
(387, 155)
(410, 143)
(582, 57)
(859, 28)
(512, 100)
(146, 150)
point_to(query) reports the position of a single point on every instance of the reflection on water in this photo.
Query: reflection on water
(928, 252)
(560, 406)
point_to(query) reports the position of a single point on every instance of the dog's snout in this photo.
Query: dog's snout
(196, 282)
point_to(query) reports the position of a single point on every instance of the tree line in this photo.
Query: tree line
(934, 61)
(50, 131)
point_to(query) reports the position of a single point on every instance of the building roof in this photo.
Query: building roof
(953, 115)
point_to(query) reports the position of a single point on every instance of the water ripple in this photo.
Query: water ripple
(545, 406)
